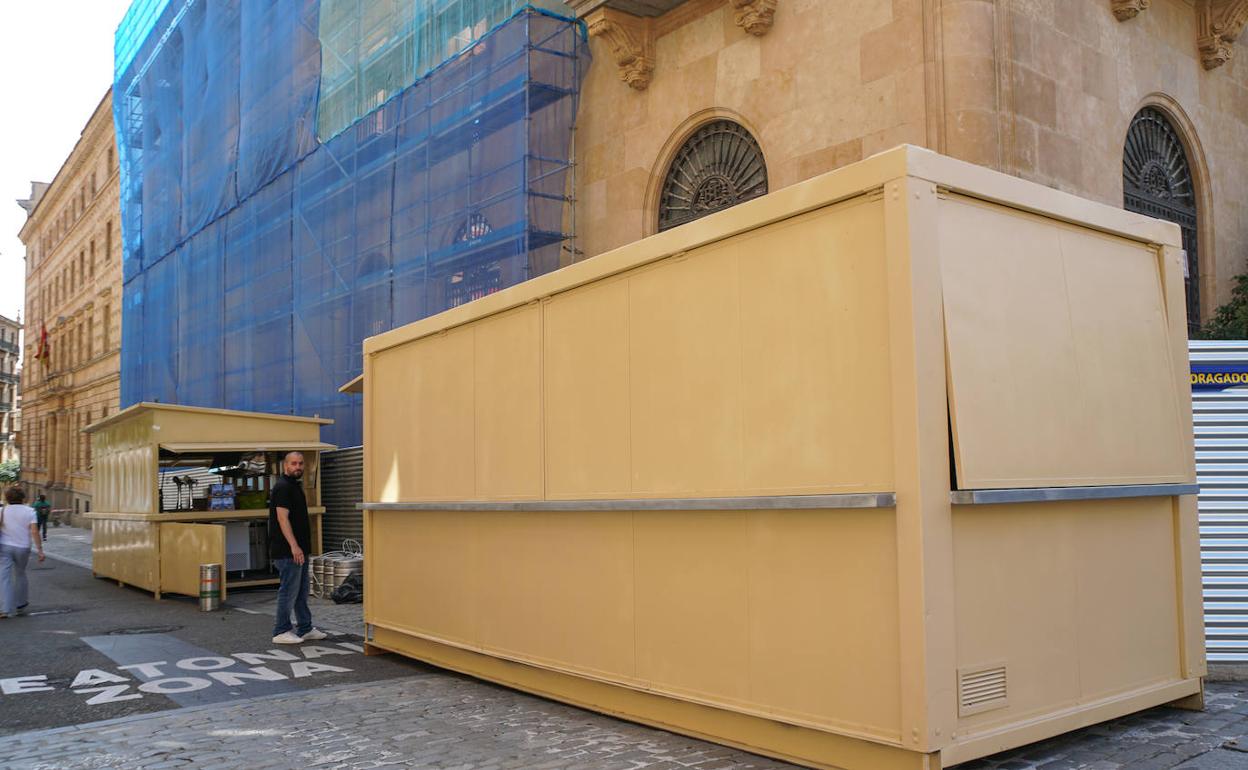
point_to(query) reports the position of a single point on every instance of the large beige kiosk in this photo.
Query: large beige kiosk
(888, 469)
(180, 486)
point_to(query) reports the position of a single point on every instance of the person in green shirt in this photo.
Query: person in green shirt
(42, 509)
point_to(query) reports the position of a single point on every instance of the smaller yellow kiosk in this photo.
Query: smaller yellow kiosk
(180, 486)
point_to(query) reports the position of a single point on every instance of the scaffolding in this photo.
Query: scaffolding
(262, 246)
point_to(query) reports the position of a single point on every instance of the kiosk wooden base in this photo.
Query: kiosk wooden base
(792, 743)
(758, 735)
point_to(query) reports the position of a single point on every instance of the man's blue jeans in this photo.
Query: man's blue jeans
(293, 590)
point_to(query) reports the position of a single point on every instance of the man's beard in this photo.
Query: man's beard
(296, 474)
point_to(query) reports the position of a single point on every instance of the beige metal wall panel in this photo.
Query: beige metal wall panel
(755, 622)
(588, 446)
(685, 375)
(661, 383)
(507, 388)
(1043, 590)
(422, 423)
(127, 551)
(558, 592)
(183, 547)
(710, 330)
(1059, 355)
(693, 620)
(408, 554)
(758, 619)
(814, 322)
(541, 587)
(805, 664)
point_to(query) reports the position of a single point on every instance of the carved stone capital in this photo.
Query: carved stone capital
(754, 16)
(1215, 50)
(1128, 9)
(1219, 23)
(631, 41)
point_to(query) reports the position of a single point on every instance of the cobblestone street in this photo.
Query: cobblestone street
(429, 718)
(440, 720)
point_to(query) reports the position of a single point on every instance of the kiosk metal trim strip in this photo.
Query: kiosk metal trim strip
(1054, 494)
(786, 502)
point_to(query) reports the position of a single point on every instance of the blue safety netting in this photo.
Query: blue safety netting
(258, 256)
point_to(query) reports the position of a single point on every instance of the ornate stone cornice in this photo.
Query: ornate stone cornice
(1128, 9)
(754, 16)
(1218, 24)
(631, 41)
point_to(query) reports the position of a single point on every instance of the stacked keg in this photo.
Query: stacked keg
(329, 570)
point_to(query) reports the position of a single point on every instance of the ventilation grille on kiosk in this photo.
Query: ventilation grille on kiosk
(982, 688)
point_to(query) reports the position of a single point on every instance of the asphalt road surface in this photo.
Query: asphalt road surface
(90, 650)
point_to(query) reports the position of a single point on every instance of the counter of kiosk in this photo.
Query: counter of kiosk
(891, 468)
(176, 487)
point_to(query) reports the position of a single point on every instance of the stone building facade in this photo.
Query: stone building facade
(1047, 90)
(10, 398)
(73, 314)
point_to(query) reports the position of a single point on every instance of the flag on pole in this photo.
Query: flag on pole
(42, 352)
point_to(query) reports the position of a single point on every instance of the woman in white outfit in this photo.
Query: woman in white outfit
(19, 528)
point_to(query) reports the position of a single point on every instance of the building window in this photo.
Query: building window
(1157, 181)
(719, 166)
(473, 281)
(83, 422)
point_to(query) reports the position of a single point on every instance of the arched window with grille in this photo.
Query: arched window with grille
(1157, 181)
(718, 166)
(474, 280)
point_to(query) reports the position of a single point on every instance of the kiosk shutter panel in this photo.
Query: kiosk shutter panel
(342, 488)
(1221, 422)
(1059, 360)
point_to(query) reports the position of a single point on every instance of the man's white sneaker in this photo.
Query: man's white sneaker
(314, 635)
(288, 637)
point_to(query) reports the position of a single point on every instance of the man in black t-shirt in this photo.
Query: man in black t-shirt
(290, 541)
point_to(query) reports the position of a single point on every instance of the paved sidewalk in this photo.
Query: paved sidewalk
(73, 546)
(69, 544)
